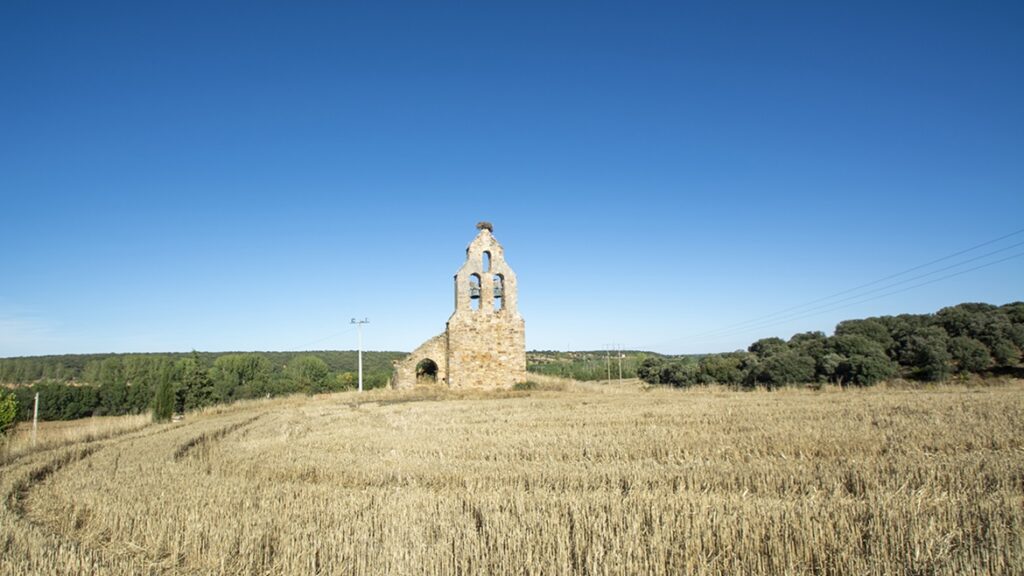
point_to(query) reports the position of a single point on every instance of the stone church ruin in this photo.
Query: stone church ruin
(484, 343)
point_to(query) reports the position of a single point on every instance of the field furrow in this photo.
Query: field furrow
(586, 480)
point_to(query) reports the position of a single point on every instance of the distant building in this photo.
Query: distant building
(484, 344)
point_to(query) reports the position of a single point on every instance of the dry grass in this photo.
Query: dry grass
(569, 479)
(52, 435)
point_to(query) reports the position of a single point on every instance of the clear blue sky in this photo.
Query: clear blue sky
(251, 175)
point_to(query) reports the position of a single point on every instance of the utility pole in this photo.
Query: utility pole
(608, 361)
(359, 330)
(35, 420)
(619, 352)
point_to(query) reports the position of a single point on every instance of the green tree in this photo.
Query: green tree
(111, 371)
(788, 367)
(680, 373)
(1000, 335)
(8, 412)
(113, 398)
(1014, 311)
(91, 372)
(766, 347)
(722, 368)
(163, 402)
(969, 354)
(827, 367)
(346, 380)
(237, 376)
(925, 353)
(813, 344)
(992, 326)
(864, 360)
(650, 369)
(901, 327)
(196, 386)
(874, 329)
(309, 373)
(816, 346)
(963, 319)
(140, 396)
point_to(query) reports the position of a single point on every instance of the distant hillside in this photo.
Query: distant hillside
(962, 340)
(81, 385)
(100, 368)
(586, 365)
(96, 369)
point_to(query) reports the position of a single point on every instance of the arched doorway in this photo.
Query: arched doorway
(426, 372)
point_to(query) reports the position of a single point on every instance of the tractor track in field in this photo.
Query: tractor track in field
(15, 495)
(208, 438)
(24, 473)
(22, 476)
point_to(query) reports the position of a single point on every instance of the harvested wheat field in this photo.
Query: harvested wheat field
(587, 479)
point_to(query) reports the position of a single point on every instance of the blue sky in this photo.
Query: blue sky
(251, 175)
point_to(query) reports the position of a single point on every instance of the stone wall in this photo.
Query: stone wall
(436, 350)
(486, 351)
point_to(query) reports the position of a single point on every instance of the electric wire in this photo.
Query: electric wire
(307, 344)
(841, 306)
(873, 282)
(828, 303)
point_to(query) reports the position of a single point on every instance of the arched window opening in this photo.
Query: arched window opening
(487, 261)
(499, 292)
(426, 372)
(474, 291)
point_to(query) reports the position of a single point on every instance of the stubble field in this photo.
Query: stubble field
(589, 479)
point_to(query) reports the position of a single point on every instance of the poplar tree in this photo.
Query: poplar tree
(163, 402)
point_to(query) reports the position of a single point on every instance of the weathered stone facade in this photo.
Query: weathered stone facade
(484, 344)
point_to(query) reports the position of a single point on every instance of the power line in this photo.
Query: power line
(359, 329)
(932, 281)
(830, 305)
(801, 310)
(883, 279)
(335, 335)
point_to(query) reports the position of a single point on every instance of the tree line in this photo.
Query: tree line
(970, 338)
(78, 386)
(584, 365)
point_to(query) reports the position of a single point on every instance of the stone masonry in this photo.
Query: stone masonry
(484, 344)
